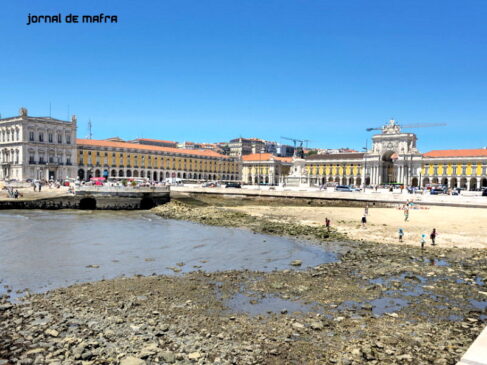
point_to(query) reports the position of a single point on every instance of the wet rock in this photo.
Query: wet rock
(317, 326)
(149, 350)
(51, 332)
(296, 263)
(6, 306)
(297, 325)
(367, 306)
(168, 357)
(194, 355)
(132, 361)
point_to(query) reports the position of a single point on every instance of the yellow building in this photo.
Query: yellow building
(265, 168)
(116, 159)
(340, 168)
(466, 169)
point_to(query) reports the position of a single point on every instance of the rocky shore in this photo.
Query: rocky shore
(380, 304)
(219, 216)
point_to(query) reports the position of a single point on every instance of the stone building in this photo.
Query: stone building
(37, 147)
(265, 168)
(102, 158)
(246, 146)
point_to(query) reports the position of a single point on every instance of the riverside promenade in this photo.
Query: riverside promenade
(86, 197)
(467, 199)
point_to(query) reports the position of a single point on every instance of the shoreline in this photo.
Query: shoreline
(380, 303)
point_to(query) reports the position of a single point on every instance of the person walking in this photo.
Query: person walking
(364, 221)
(366, 210)
(327, 224)
(401, 234)
(423, 241)
(406, 213)
(433, 237)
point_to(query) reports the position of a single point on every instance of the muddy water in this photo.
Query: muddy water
(41, 250)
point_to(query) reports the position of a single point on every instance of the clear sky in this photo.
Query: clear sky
(204, 71)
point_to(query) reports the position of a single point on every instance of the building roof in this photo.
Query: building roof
(336, 156)
(36, 119)
(475, 152)
(136, 146)
(154, 140)
(265, 157)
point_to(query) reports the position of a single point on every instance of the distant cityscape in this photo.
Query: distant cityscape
(238, 147)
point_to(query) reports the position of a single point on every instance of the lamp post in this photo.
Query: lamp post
(365, 149)
(419, 181)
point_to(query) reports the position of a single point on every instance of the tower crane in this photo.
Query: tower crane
(392, 123)
(295, 140)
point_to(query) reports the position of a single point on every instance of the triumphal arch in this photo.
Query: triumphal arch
(394, 157)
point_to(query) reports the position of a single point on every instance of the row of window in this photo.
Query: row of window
(171, 166)
(51, 159)
(50, 137)
(142, 156)
(455, 170)
(9, 134)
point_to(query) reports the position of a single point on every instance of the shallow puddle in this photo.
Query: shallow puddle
(255, 304)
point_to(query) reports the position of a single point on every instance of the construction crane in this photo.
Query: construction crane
(295, 140)
(392, 122)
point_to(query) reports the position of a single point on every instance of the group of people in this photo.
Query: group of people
(12, 193)
(38, 184)
(400, 232)
(433, 236)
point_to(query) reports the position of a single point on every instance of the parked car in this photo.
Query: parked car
(233, 185)
(209, 184)
(344, 188)
(436, 191)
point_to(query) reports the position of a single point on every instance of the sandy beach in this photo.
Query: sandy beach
(457, 227)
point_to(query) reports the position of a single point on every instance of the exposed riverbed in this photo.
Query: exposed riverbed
(347, 303)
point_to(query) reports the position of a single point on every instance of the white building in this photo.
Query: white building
(37, 147)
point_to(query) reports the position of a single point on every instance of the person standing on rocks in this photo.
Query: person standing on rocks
(433, 237)
(401, 234)
(423, 241)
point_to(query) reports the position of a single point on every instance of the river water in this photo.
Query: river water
(42, 250)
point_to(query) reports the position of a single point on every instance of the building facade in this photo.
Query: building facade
(37, 147)
(246, 146)
(101, 158)
(394, 159)
(265, 168)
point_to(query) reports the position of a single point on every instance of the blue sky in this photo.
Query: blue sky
(215, 70)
